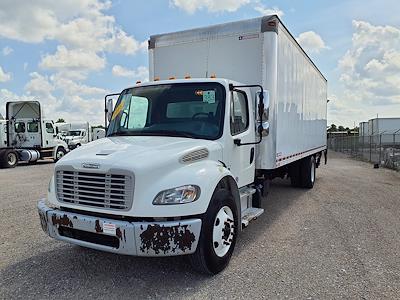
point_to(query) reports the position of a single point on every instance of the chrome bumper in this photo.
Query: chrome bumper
(130, 238)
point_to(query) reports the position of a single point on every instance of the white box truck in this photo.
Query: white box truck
(26, 136)
(187, 162)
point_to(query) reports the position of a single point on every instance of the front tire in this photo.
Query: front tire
(10, 159)
(218, 234)
(60, 152)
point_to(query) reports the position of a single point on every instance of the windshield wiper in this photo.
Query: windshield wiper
(170, 133)
(119, 133)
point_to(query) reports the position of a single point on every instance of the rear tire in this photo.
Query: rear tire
(10, 159)
(218, 234)
(308, 172)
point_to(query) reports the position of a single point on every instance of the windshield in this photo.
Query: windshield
(193, 110)
(74, 133)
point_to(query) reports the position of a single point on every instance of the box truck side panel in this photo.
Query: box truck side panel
(301, 103)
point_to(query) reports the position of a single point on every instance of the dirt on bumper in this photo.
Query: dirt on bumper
(131, 238)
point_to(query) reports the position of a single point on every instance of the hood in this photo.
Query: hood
(138, 152)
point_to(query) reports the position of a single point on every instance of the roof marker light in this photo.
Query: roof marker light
(188, 76)
(156, 78)
(172, 78)
(138, 82)
(213, 76)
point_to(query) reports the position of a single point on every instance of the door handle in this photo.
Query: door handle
(251, 155)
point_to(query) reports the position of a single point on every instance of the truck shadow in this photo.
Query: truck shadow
(71, 271)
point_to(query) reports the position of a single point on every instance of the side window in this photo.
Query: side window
(49, 128)
(33, 127)
(239, 113)
(19, 127)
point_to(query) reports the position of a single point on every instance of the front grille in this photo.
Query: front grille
(110, 191)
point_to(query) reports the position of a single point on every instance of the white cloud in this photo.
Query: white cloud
(211, 5)
(265, 11)
(311, 42)
(74, 60)
(74, 23)
(370, 74)
(4, 76)
(141, 73)
(7, 50)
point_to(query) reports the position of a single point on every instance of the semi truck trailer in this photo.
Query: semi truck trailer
(25, 135)
(188, 157)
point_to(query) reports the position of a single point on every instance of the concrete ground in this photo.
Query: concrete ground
(339, 240)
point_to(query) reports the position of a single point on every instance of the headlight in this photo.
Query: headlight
(178, 195)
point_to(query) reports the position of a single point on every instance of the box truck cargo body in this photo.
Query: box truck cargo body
(259, 51)
(188, 156)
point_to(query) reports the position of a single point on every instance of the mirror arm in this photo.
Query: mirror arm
(105, 107)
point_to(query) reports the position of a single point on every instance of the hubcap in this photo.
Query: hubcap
(12, 159)
(60, 154)
(223, 231)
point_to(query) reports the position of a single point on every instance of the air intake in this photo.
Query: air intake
(194, 156)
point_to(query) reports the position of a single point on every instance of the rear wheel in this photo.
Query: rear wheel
(308, 171)
(218, 234)
(10, 159)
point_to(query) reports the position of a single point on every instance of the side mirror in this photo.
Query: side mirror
(109, 109)
(262, 117)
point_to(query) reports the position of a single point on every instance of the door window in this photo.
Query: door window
(33, 127)
(49, 128)
(239, 113)
(19, 127)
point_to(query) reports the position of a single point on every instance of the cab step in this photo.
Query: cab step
(250, 214)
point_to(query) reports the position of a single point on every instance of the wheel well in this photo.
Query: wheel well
(230, 184)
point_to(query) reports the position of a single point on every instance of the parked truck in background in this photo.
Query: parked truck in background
(188, 156)
(26, 136)
(78, 134)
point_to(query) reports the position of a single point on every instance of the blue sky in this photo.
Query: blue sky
(68, 54)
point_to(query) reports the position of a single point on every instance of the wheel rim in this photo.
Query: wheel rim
(11, 159)
(60, 154)
(223, 231)
(312, 170)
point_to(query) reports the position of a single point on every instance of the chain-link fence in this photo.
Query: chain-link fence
(382, 149)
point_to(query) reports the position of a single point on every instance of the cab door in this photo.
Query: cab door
(49, 134)
(241, 127)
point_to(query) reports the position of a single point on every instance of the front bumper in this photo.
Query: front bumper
(131, 238)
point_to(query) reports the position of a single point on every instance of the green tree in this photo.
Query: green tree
(341, 128)
(332, 128)
(60, 120)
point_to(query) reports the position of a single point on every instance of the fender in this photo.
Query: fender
(207, 174)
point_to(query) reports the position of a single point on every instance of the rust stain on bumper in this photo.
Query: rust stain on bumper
(166, 238)
(62, 221)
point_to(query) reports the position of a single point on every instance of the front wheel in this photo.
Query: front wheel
(218, 234)
(60, 152)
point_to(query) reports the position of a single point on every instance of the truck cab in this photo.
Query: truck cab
(29, 137)
(170, 168)
(76, 138)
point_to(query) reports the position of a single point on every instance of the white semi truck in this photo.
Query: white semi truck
(78, 134)
(187, 159)
(26, 136)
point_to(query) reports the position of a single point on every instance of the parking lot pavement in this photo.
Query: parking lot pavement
(339, 240)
